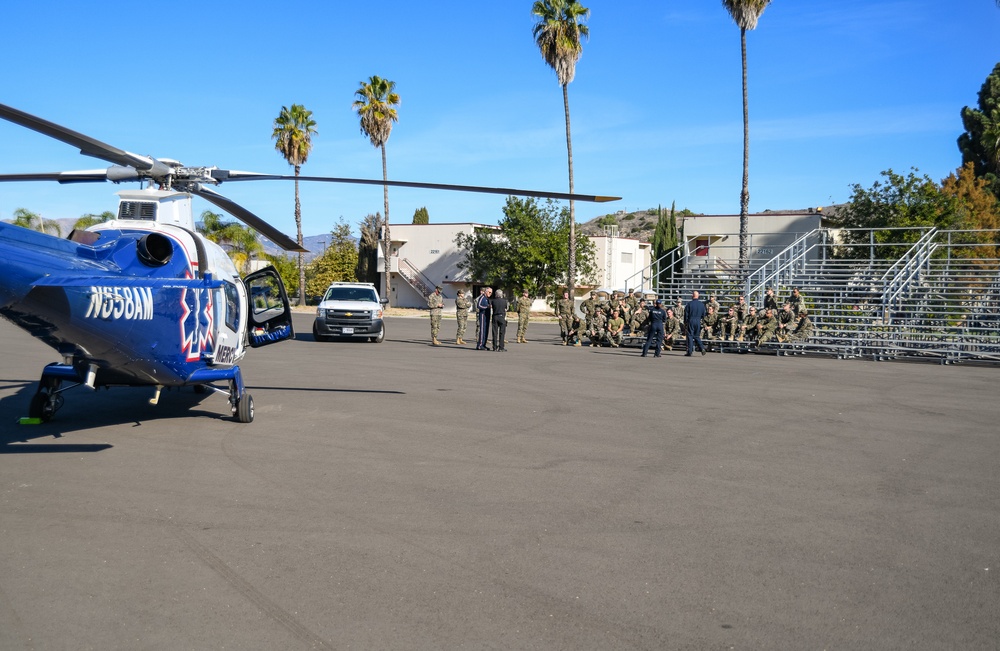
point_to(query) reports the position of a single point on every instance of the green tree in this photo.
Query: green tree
(527, 250)
(664, 240)
(293, 130)
(337, 264)
(558, 31)
(288, 269)
(898, 202)
(745, 13)
(367, 269)
(980, 144)
(420, 216)
(376, 108)
(32, 220)
(90, 219)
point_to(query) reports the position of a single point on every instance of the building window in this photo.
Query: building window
(626, 257)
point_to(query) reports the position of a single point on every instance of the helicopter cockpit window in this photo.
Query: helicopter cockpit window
(232, 306)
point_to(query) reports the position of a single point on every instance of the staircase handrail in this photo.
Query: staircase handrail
(780, 262)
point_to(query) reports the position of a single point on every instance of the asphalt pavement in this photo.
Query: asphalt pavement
(405, 496)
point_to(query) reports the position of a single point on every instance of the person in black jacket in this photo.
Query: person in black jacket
(656, 319)
(693, 313)
(499, 306)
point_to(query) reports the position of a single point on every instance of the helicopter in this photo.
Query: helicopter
(144, 299)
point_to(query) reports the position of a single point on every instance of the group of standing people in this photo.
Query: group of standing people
(491, 317)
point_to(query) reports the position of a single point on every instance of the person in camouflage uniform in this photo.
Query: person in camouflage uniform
(742, 309)
(637, 319)
(766, 327)
(804, 330)
(797, 301)
(574, 332)
(679, 310)
(671, 330)
(436, 304)
(616, 329)
(589, 309)
(749, 324)
(564, 312)
(709, 323)
(786, 322)
(729, 324)
(711, 302)
(598, 327)
(632, 301)
(523, 314)
(462, 305)
(770, 302)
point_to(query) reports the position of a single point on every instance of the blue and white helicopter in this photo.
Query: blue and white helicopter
(144, 299)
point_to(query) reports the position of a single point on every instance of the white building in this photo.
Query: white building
(712, 242)
(621, 262)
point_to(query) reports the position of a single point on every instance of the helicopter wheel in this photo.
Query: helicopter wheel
(44, 405)
(244, 408)
(200, 389)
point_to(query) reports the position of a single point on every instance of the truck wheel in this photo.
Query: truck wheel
(377, 339)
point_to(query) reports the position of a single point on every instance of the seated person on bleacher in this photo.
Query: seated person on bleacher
(671, 330)
(636, 323)
(598, 327)
(767, 326)
(616, 329)
(804, 330)
(749, 324)
(786, 322)
(729, 324)
(709, 323)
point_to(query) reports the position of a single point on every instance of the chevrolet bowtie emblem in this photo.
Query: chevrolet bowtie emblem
(348, 314)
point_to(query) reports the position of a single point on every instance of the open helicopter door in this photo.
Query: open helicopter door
(269, 317)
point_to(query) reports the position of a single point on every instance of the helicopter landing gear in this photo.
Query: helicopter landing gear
(46, 401)
(48, 398)
(240, 402)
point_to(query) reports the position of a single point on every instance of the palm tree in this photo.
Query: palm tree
(558, 33)
(32, 220)
(745, 13)
(376, 107)
(293, 132)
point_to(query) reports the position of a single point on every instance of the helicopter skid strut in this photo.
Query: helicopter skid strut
(48, 397)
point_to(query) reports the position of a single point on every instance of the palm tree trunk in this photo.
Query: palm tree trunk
(571, 273)
(385, 197)
(298, 231)
(745, 192)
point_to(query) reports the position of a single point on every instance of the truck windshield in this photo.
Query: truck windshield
(351, 294)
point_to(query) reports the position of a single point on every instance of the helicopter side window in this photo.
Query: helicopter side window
(265, 295)
(232, 306)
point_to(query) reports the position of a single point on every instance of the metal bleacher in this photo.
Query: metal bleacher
(890, 294)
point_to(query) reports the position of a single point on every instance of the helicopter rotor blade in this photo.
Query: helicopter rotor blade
(248, 218)
(78, 176)
(88, 146)
(234, 175)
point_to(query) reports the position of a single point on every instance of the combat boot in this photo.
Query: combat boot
(459, 342)
(436, 342)
(578, 344)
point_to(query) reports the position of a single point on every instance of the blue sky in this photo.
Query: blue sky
(839, 91)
